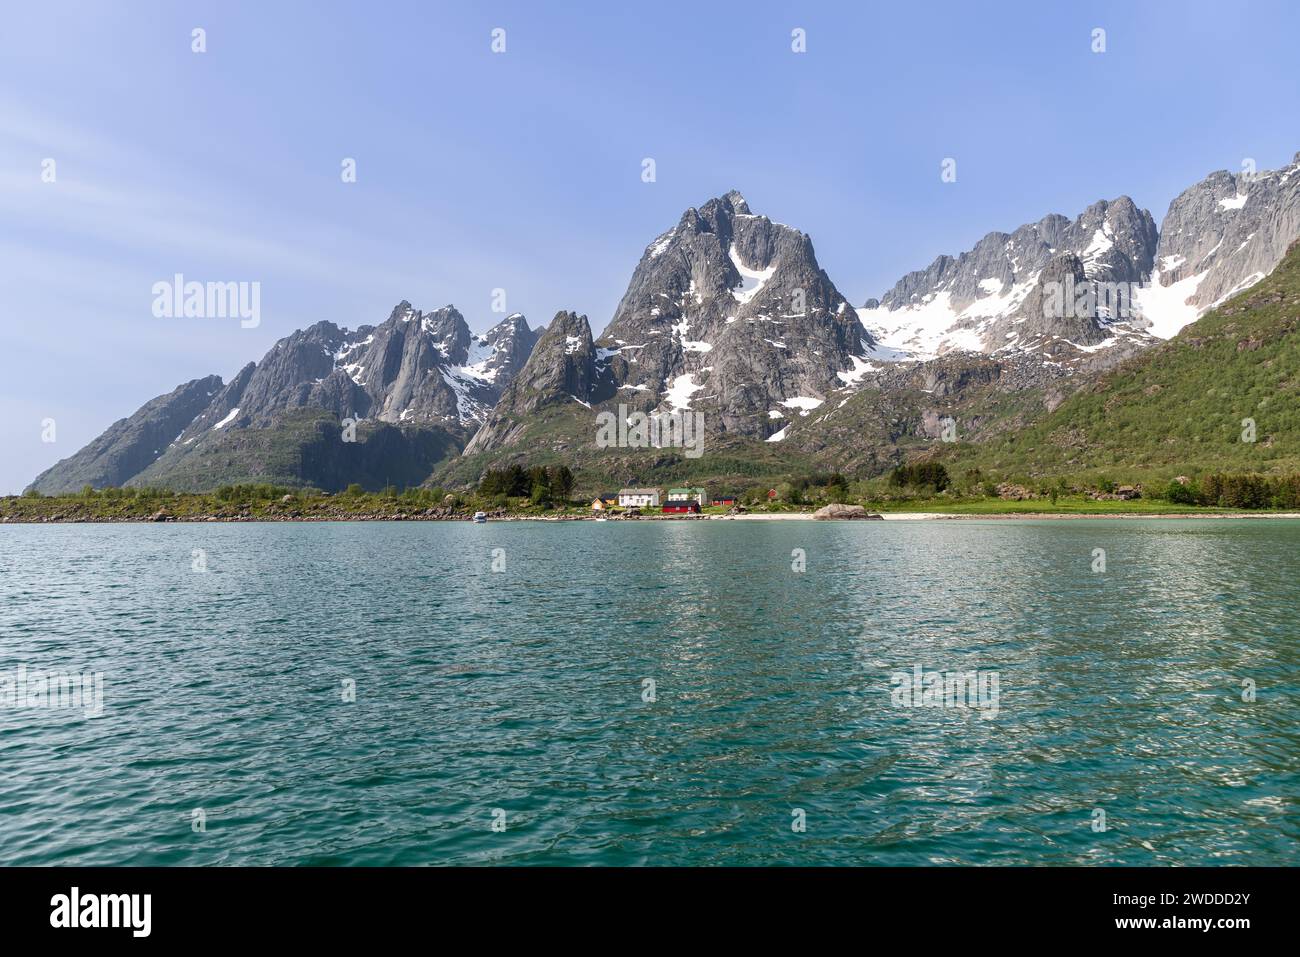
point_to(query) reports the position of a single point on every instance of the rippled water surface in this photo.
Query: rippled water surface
(522, 690)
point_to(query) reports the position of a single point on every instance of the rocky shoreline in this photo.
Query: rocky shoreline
(502, 516)
(79, 516)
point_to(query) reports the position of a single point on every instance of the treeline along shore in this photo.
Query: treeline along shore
(552, 494)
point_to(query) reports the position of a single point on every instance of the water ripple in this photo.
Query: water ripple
(523, 690)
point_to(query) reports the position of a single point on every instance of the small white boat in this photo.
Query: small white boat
(480, 517)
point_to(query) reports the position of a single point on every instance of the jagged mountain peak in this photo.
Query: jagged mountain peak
(962, 303)
(729, 204)
(567, 335)
(1219, 237)
(738, 204)
(564, 369)
(730, 312)
(513, 321)
(500, 353)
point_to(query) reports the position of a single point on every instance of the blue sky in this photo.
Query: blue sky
(522, 170)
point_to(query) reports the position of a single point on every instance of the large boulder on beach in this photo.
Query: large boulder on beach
(836, 510)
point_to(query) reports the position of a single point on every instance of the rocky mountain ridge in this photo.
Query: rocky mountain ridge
(1221, 236)
(727, 314)
(960, 304)
(130, 445)
(415, 369)
(1218, 237)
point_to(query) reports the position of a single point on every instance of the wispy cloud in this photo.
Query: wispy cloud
(108, 196)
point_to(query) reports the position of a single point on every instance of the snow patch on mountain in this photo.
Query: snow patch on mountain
(463, 384)
(480, 355)
(932, 327)
(656, 248)
(352, 347)
(1101, 243)
(804, 403)
(1166, 307)
(920, 331)
(677, 397)
(752, 281)
(860, 368)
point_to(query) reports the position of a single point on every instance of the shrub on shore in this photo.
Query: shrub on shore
(930, 475)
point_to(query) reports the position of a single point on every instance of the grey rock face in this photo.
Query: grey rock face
(564, 366)
(131, 444)
(961, 303)
(1064, 315)
(1219, 237)
(562, 370)
(414, 368)
(224, 408)
(1048, 310)
(730, 314)
(1227, 232)
(1114, 240)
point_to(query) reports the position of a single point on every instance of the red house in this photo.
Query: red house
(680, 505)
(727, 500)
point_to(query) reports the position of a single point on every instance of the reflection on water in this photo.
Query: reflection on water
(522, 689)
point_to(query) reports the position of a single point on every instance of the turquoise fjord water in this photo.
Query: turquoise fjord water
(523, 690)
